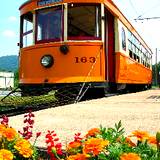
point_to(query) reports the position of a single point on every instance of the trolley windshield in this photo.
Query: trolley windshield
(49, 24)
(84, 21)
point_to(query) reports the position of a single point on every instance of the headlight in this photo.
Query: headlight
(47, 61)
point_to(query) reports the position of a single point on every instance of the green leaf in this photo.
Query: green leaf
(102, 156)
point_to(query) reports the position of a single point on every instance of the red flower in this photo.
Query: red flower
(5, 120)
(53, 147)
(38, 134)
(27, 130)
(77, 137)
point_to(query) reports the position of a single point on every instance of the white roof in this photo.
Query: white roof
(7, 74)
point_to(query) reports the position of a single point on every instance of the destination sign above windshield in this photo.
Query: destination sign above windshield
(47, 2)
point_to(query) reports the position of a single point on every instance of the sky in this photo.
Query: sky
(132, 9)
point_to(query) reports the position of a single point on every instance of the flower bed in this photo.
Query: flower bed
(98, 144)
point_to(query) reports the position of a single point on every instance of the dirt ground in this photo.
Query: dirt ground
(136, 111)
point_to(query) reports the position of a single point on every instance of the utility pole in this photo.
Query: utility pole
(156, 71)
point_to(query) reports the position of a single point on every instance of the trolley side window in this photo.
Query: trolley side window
(123, 39)
(49, 24)
(27, 30)
(138, 52)
(84, 22)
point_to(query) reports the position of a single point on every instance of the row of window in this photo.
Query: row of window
(136, 50)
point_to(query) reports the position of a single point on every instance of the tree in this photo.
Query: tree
(156, 74)
(16, 78)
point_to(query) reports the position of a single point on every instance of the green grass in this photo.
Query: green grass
(155, 87)
(14, 102)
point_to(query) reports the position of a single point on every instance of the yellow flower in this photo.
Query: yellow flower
(130, 156)
(77, 157)
(24, 148)
(141, 135)
(152, 140)
(73, 144)
(94, 146)
(93, 132)
(5, 155)
(10, 134)
(129, 142)
(2, 128)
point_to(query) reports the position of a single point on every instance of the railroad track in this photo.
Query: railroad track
(22, 107)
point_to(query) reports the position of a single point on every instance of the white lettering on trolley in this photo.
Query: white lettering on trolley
(47, 2)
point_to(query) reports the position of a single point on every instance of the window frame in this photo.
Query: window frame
(28, 32)
(124, 39)
(62, 26)
(84, 38)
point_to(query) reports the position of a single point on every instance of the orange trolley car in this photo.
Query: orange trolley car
(72, 42)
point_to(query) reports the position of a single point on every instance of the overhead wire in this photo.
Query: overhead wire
(146, 18)
(130, 1)
(147, 11)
